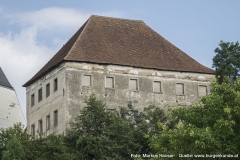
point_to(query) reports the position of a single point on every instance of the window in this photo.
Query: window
(33, 129)
(55, 117)
(40, 126)
(202, 90)
(179, 89)
(87, 80)
(55, 85)
(109, 83)
(32, 100)
(47, 122)
(157, 86)
(133, 84)
(39, 94)
(48, 90)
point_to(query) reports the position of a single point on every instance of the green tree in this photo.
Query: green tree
(99, 133)
(210, 127)
(14, 150)
(227, 61)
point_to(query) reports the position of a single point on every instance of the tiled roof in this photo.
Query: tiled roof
(105, 40)
(3, 80)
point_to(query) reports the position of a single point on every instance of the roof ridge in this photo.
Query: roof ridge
(117, 18)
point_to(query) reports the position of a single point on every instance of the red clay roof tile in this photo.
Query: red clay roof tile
(106, 40)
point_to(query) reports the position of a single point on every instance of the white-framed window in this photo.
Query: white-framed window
(87, 80)
(157, 88)
(133, 84)
(179, 89)
(202, 90)
(109, 82)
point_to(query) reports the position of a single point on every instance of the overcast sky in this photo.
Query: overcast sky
(31, 32)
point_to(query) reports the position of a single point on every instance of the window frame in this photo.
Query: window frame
(160, 86)
(48, 90)
(55, 117)
(206, 90)
(32, 100)
(182, 90)
(40, 95)
(55, 84)
(113, 85)
(137, 85)
(91, 80)
(33, 129)
(40, 126)
(48, 122)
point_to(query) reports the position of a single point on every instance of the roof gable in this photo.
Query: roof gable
(3, 80)
(106, 40)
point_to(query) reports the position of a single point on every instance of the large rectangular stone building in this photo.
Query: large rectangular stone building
(118, 60)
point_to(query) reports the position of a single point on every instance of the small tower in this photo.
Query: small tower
(10, 110)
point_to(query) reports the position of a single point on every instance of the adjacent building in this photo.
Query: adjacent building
(118, 60)
(10, 110)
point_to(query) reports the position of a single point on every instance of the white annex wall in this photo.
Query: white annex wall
(10, 110)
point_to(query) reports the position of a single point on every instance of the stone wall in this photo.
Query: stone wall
(115, 85)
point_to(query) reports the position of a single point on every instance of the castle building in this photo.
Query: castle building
(10, 110)
(118, 60)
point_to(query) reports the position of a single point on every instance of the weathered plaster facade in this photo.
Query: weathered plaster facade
(68, 99)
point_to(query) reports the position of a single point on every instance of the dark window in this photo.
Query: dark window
(40, 126)
(39, 94)
(55, 118)
(48, 122)
(55, 85)
(48, 90)
(32, 100)
(33, 129)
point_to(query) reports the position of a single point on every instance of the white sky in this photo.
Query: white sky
(31, 32)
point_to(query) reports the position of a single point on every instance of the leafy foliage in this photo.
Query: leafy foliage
(227, 61)
(210, 127)
(104, 134)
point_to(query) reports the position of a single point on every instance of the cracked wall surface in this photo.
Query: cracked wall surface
(76, 81)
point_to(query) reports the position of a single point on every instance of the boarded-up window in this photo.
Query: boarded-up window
(55, 118)
(157, 86)
(48, 90)
(39, 94)
(55, 85)
(47, 122)
(40, 126)
(109, 82)
(32, 100)
(87, 80)
(179, 89)
(133, 84)
(202, 90)
(33, 129)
